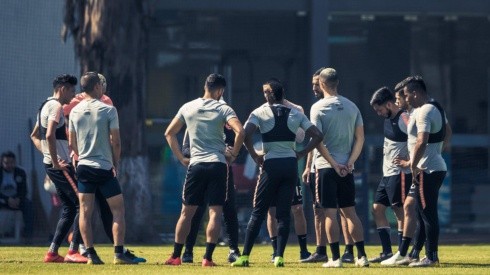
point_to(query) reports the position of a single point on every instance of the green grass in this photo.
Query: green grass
(455, 259)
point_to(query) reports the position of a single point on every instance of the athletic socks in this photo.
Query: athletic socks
(414, 254)
(360, 250)
(334, 247)
(349, 248)
(404, 246)
(321, 250)
(432, 255)
(209, 251)
(177, 250)
(73, 247)
(274, 244)
(118, 249)
(302, 243)
(384, 236)
(400, 236)
(91, 251)
(53, 248)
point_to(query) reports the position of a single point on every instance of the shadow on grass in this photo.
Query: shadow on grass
(463, 265)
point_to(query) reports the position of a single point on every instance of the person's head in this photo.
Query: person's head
(273, 91)
(64, 87)
(215, 85)
(91, 84)
(415, 91)
(8, 161)
(315, 82)
(383, 102)
(329, 79)
(103, 82)
(400, 97)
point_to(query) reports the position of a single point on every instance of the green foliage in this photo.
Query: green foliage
(460, 259)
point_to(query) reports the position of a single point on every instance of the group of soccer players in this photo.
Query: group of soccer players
(415, 131)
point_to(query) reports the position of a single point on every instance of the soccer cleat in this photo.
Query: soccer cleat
(315, 258)
(331, 263)
(75, 258)
(396, 259)
(173, 261)
(53, 257)
(133, 257)
(242, 261)
(273, 256)
(303, 255)
(348, 258)
(94, 259)
(121, 258)
(188, 257)
(233, 256)
(279, 261)
(362, 262)
(425, 262)
(381, 257)
(207, 263)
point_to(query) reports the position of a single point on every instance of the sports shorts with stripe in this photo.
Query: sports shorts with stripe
(392, 190)
(90, 179)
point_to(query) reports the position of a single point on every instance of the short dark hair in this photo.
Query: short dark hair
(382, 96)
(415, 83)
(329, 77)
(8, 154)
(399, 86)
(64, 79)
(277, 88)
(88, 81)
(317, 73)
(215, 81)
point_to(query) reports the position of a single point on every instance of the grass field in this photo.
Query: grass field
(455, 259)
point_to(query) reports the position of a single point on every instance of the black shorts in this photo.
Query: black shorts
(335, 191)
(205, 179)
(314, 186)
(65, 183)
(392, 190)
(90, 179)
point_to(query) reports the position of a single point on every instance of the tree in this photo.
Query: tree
(111, 37)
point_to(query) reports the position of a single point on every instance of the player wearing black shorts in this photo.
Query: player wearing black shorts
(205, 180)
(395, 183)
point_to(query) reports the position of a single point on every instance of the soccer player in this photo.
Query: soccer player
(278, 125)
(296, 205)
(104, 209)
(428, 131)
(229, 209)
(49, 137)
(343, 135)
(394, 185)
(207, 168)
(94, 137)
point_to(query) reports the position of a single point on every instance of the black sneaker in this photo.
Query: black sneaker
(347, 258)
(315, 258)
(233, 256)
(188, 257)
(94, 259)
(382, 257)
(303, 255)
(121, 258)
(133, 257)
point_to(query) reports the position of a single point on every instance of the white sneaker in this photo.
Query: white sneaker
(330, 263)
(362, 262)
(396, 259)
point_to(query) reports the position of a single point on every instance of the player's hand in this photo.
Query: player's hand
(401, 162)
(259, 160)
(305, 177)
(60, 165)
(185, 161)
(341, 170)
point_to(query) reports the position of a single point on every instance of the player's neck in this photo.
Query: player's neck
(329, 92)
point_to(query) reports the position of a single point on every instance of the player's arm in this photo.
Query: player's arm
(116, 147)
(447, 137)
(250, 129)
(72, 141)
(36, 140)
(309, 163)
(357, 148)
(237, 127)
(316, 138)
(51, 139)
(171, 137)
(419, 150)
